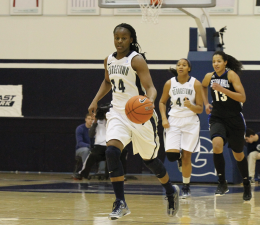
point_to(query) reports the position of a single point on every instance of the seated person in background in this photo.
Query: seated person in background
(98, 131)
(83, 146)
(253, 151)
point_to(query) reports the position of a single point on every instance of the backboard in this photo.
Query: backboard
(166, 3)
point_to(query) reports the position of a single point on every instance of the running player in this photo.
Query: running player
(226, 122)
(183, 125)
(127, 73)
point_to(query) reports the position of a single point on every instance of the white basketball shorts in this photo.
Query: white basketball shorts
(183, 134)
(144, 138)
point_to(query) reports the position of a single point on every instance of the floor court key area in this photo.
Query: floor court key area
(56, 199)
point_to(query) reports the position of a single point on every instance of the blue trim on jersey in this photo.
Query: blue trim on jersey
(221, 75)
(209, 119)
(241, 114)
(179, 82)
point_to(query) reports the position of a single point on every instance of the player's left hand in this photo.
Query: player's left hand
(216, 87)
(187, 102)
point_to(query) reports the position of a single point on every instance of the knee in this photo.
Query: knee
(156, 166)
(173, 156)
(112, 152)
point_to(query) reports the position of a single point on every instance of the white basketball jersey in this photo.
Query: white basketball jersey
(177, 93)
(100, 137)
(124, 80)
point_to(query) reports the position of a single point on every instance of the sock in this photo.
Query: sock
(219, 162)
(119, 190)
(186, 180)
(243, 169)
(168, 188)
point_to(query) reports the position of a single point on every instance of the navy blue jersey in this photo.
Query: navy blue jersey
(223, 106)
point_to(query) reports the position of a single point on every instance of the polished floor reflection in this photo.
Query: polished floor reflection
(57, 199)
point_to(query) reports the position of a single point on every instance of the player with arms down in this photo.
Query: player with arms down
(127, 73)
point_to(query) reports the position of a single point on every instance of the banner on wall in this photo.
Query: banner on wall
(25, 7)
(83, 7)
(11, 100)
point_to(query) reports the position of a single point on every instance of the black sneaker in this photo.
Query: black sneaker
(119, 210)
(247, 192)
(173, 202)
(222, 188)
(185, 191)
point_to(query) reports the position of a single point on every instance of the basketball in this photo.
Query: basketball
(139, 109)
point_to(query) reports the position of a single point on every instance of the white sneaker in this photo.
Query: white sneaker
(120, 209)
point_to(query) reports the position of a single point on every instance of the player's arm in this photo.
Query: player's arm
(239, 95)
(141, 68)
(162, 104)
(205, 84)
(198, 108)
(103, 90)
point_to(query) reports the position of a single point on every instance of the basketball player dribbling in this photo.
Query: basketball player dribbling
(127, 73)
(182, 128)
(226, 121)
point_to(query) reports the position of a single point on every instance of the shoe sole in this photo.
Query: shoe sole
(171, 213)
(222, 194)
(116, 218)
(184, 197)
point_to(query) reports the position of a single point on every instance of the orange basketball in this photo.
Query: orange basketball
(139, 109)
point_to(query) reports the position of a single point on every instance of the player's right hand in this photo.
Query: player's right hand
(93, 108)
(208, 108)
(165, 123)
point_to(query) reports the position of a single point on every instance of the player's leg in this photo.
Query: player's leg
(218, 137)
(251, 159)
(236, 130)
(146, 142)
(117, 136)
(172, 191)
(190, 142)
(186, 173)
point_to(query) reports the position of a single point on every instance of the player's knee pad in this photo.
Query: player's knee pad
(114, 164)
(157, 167)
(173, 156)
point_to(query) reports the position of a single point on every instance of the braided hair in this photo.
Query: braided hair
(134, 45)
(232, 63)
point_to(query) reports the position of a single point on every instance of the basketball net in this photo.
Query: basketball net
(150, 10)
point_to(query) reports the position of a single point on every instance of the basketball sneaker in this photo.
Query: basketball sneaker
(185, 191)
(252, 181)
(222, 188)
(173, 202)
(119, 210)
(247, 192)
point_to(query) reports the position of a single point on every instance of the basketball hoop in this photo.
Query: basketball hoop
(150, 10)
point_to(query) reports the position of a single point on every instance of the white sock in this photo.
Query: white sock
(186, 180)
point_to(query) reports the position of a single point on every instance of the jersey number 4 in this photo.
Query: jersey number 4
(178, 102)
(121, 86)
(223, 97)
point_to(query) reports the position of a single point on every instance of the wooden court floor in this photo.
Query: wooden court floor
(56, 199)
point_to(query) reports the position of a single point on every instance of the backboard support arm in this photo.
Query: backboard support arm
(202, 20)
